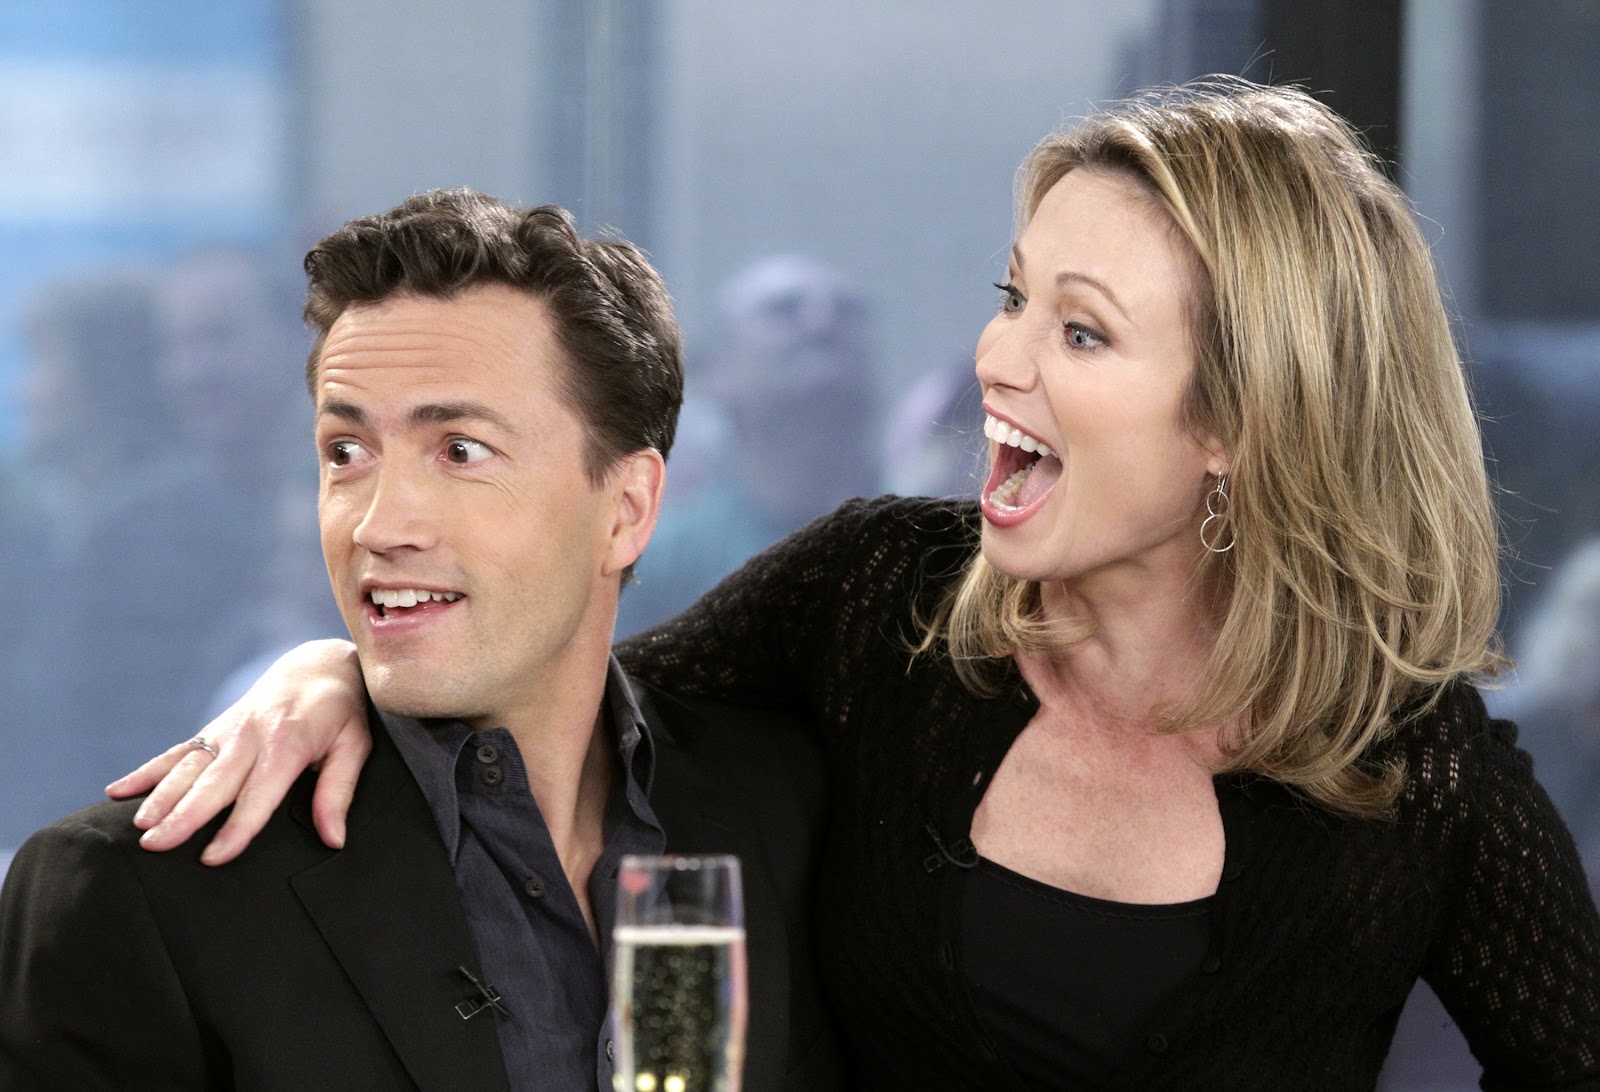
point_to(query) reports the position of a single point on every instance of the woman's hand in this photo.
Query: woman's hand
(309, 706)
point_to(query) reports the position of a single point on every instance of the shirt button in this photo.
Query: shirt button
(534, 886)
(947, 956)
(1212, 965)
(492, 776)
(1157, 1043)
(487, 753)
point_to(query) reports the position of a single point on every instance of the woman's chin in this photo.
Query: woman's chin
(1011, 558)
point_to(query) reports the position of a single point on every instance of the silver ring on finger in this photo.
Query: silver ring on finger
(198, 743)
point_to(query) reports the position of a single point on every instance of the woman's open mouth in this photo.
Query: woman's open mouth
(1024, 472)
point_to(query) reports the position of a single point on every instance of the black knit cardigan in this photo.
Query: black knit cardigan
(1321, 924)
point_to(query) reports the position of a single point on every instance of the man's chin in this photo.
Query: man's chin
(407, 695)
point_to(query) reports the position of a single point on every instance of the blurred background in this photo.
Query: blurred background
(826, 187)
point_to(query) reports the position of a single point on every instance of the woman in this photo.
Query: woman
(1159, 768)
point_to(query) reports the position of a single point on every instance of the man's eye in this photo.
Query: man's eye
(346, 453)
(463, 450)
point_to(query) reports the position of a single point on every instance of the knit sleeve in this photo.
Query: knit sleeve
(808, 618)
(1517, 962)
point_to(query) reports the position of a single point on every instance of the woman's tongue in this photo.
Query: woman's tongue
(1040, 480)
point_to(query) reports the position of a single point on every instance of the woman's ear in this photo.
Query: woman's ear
(1219, 460)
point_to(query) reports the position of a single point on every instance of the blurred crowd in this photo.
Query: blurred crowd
(783, 420)
(158, 525)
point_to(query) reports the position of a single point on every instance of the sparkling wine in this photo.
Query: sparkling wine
(680, 1008)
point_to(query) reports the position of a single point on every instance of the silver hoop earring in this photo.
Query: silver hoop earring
(1216, 510)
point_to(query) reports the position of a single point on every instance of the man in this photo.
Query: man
(495, 397)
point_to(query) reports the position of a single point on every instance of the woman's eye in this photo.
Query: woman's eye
(463, 450)
(1080, 336)
(1011, 301)
(346, 453)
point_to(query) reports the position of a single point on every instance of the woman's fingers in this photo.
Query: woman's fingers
(255, 797)
(309, 705)
(336, 784)
(147, 776)
(192, 794)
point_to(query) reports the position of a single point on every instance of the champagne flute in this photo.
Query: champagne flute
(678, 984)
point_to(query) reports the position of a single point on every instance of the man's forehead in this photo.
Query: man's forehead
(484, 314)
(485, 335)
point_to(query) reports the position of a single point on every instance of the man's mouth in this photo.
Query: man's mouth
(393, 602)
(1025, 468)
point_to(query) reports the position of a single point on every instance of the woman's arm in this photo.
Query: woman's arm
(801, 618)
(1517, 964)
(309, 706)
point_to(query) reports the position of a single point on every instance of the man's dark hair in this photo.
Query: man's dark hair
(612, 316)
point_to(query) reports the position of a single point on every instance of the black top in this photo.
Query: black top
(1067, 985)
(1322, 924)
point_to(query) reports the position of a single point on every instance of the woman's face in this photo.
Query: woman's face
(1089, 356)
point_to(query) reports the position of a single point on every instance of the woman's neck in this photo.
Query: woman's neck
(1150, 642)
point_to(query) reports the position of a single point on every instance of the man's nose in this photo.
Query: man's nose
(401, 513)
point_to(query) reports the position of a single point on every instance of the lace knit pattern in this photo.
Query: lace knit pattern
(1321, 924)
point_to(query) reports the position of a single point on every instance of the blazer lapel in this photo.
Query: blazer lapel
(704, 814)
(387, 906)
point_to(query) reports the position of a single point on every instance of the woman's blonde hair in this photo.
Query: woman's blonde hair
(1365, 570)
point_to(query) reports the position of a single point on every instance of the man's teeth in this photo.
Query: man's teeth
(410, 597)
(1002, 433)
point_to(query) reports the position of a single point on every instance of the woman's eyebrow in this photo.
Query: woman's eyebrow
(1067, 276)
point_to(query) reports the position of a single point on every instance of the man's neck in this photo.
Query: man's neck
(569, 754)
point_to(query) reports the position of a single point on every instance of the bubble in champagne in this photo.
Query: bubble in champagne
(681, 990)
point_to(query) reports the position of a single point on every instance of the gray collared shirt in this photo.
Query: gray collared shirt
(524, 917)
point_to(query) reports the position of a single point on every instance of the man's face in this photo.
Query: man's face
(472, 558)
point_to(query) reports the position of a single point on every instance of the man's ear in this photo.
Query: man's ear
(634, 486)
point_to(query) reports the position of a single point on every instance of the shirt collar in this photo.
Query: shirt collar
(431, 749)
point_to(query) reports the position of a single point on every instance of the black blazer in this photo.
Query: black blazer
(298, 967)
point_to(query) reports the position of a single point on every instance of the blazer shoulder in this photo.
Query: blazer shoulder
(108, 826)
(110, 821)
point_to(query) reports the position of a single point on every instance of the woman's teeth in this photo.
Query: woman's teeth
(1002, 433)
(1006, 491)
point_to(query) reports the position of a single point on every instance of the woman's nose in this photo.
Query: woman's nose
(1005, 354)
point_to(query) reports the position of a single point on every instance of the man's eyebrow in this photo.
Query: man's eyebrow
(429, 413)
(344, 411)
(1066, 277)
(447, 413)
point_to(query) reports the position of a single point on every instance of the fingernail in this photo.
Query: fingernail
(150, 837)
(209, 855)
(142, 816)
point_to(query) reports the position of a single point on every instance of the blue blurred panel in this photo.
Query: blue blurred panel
(160, 31)
(132, 129)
